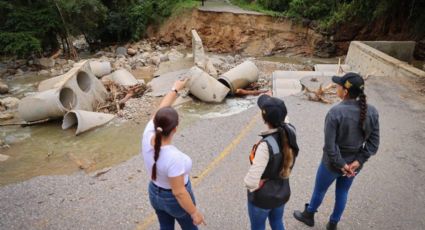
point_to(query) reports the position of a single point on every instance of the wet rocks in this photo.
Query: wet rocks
(4, 88)
(3, 157)
(9, 103)
(131, 51)
(121, 51)
(45, 62)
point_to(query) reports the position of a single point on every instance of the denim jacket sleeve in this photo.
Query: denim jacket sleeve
(372, 143)
(331, 149)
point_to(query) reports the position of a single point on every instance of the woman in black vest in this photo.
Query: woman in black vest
(272, 159)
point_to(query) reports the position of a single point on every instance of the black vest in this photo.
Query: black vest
(275, 182)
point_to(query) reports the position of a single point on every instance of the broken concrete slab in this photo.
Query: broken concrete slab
(240, 76)
(285, 83)
(197, 48)
(161, 85)
(205, 87)
(335, 68)
(85, 120)
(171, 66)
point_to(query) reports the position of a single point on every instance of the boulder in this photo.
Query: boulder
(131, 51)
(10, 102)
(3, 88)
(3, 157)
(46, 62)
(6, 116)
(121, 51)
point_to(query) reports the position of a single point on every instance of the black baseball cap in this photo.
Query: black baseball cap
(353, 82)
(273, 109)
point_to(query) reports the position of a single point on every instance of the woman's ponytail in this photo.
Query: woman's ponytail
(363, 112)
(288, 155)
(157, 148)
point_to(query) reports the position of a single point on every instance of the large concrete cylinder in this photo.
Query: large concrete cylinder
(240, 76)
(77, 89)
(100, 68)
(124, 78)
(51, 104)
(85, 120)
(205, 87)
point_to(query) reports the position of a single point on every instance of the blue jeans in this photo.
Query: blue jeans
(324, 179)
(258, 217)
(168, 210)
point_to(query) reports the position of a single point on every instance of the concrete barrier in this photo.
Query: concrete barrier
(369, 61)
(240, 76)
(401, 50)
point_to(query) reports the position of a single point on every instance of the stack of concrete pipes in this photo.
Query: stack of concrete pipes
(73, 96)
(208, 89)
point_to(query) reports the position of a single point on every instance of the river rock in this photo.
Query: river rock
(3, 88)
(3, 157)
(131, 51)
(61, 61)
(46, 62)
(175, 55)
(10, 102)
(19, 72)
(121, 51)
(43, 72)
(3, 72)
(156, 60)
(6, 116)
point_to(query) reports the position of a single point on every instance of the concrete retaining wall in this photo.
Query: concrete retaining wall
(402, 50)
(367, 60)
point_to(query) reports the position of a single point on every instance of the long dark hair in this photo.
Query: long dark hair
(165, 120)
(287, 151)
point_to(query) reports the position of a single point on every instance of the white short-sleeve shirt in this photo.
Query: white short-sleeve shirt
(171, 162)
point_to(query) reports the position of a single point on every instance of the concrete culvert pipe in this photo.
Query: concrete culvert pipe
(84, 81)
(205, 87)
(100, 68)
(85, 120)
(240, 76)
(45, 105)
(67, 98)
(124, 78)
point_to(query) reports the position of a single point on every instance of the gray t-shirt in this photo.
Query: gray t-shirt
(344, 140)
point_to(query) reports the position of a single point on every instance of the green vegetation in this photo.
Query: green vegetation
(36, 27)
(331, 13)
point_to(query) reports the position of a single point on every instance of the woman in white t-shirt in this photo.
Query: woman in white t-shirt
(170, 190)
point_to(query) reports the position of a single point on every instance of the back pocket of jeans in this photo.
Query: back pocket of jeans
(174, 209)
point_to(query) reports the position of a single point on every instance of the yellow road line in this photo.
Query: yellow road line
(152, 217)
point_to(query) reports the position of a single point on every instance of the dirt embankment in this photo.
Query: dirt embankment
(261, 35)
(254, 35)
